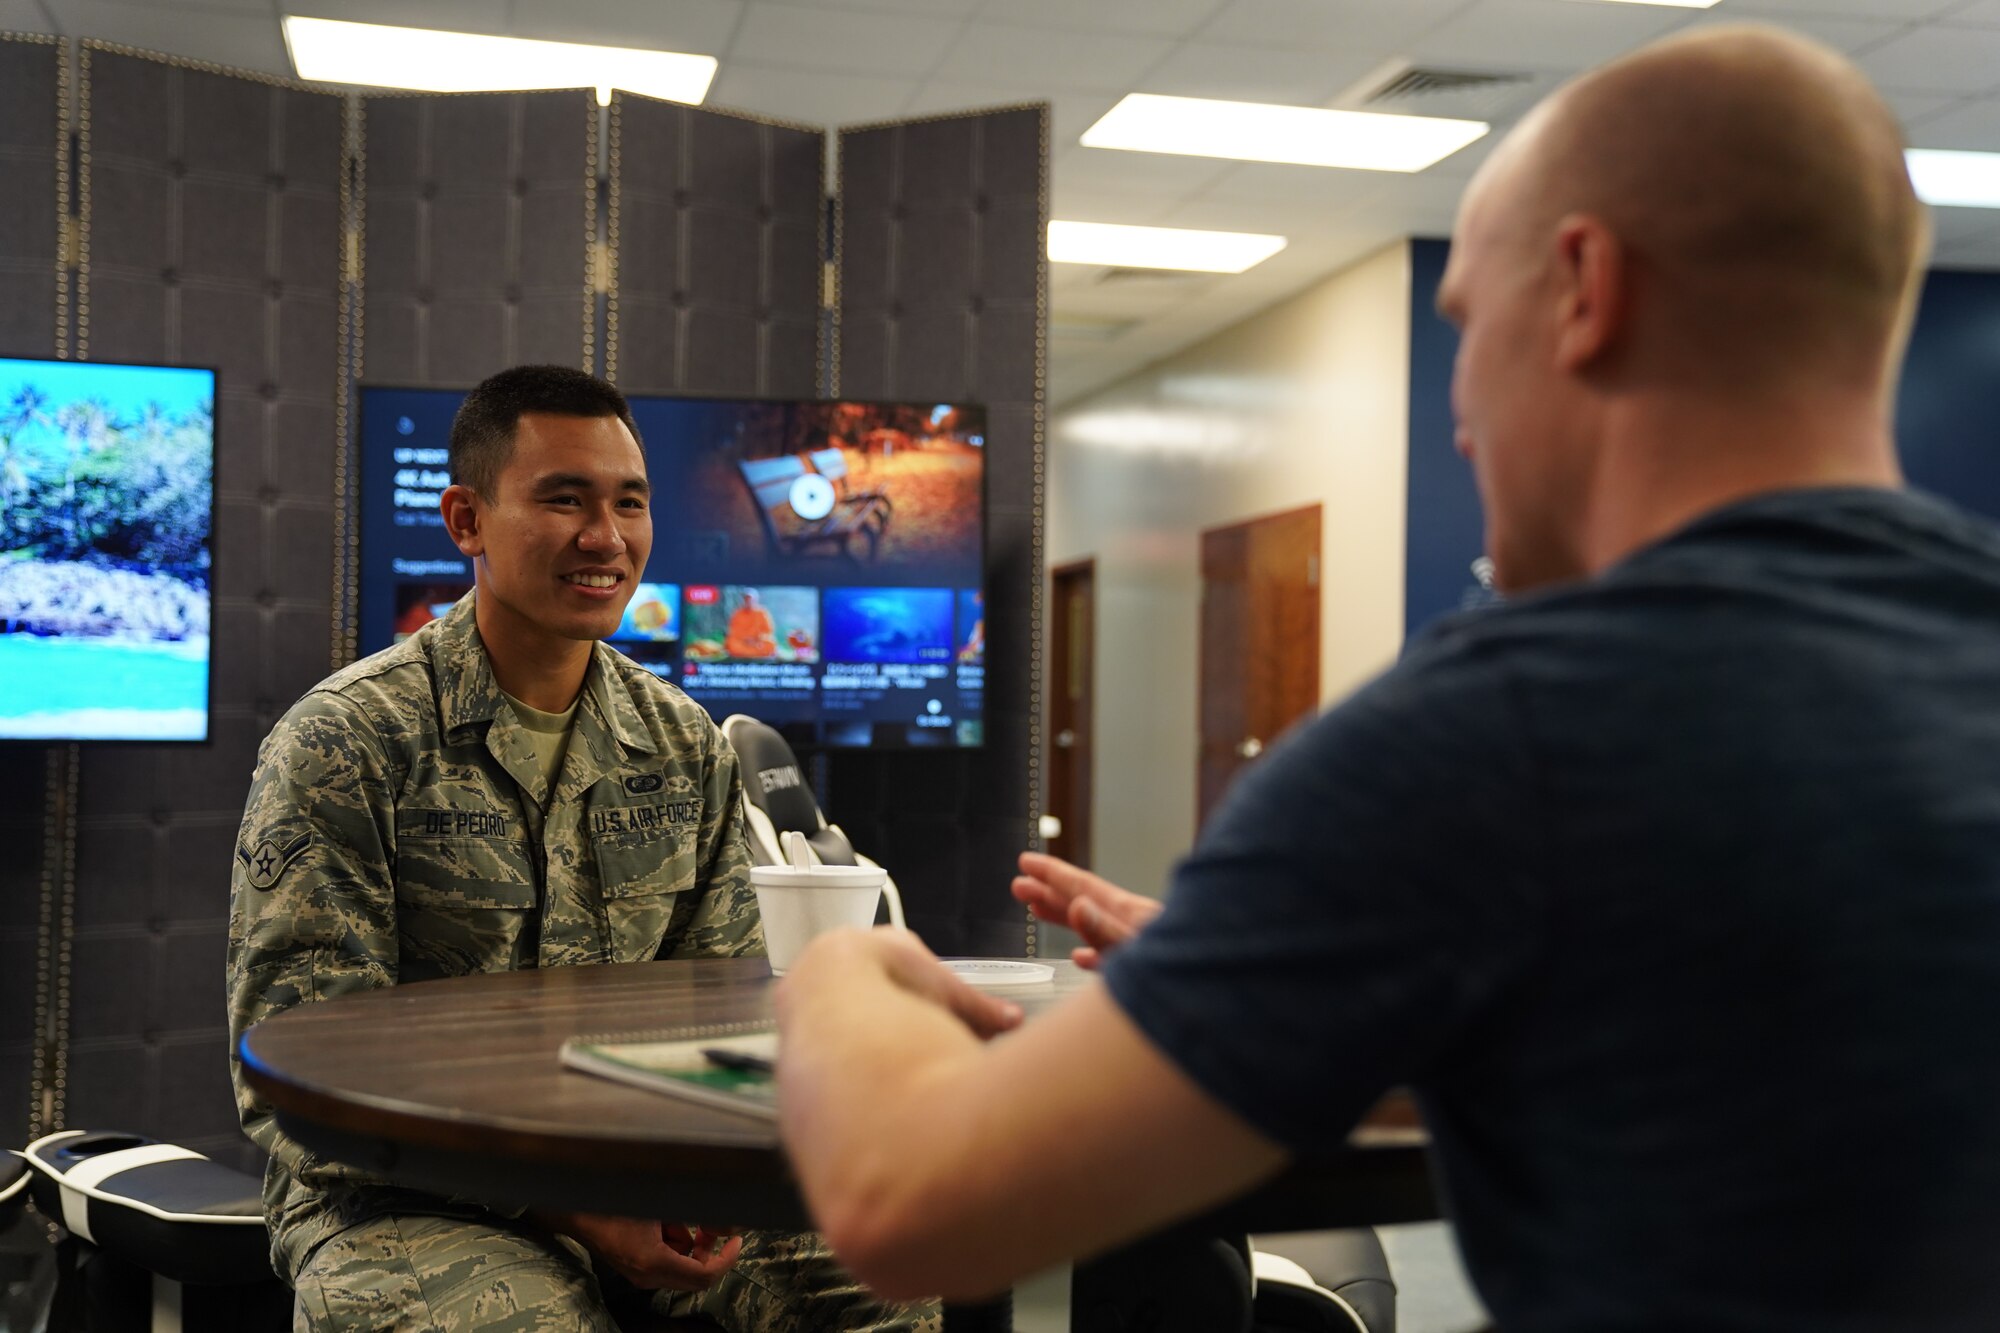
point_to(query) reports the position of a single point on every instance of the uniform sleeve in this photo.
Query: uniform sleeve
(312, 898)
(725, 922)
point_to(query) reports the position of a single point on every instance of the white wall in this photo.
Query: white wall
(1307, 402)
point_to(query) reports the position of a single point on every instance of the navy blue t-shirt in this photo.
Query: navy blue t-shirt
(1675, 894)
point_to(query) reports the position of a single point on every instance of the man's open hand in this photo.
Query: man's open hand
(906, 963)
(1092, 906)
(652, 1256)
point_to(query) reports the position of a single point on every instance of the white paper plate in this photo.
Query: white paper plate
(994, 973)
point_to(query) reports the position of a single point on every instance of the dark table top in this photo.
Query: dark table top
(455, 1086)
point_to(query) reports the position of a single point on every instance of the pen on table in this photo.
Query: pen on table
(723, 1058)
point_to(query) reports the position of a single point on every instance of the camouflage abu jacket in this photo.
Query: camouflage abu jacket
(398, 828)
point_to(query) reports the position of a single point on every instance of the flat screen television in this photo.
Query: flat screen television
(107, 516)
(816, 564)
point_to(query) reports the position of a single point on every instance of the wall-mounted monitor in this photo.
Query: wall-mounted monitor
(107, 515)
(816, 564)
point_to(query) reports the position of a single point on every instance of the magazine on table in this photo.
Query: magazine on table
(732, 1066)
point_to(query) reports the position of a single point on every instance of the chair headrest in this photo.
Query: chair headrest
(772, 778)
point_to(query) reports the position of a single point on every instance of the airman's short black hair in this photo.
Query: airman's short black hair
(482, 434)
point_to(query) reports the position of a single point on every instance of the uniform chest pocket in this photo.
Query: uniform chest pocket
(640, 865)
(464, 903)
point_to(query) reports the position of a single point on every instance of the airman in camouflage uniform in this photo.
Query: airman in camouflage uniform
(400, 826)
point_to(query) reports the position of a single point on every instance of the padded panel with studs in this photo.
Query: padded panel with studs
(30, 76)
(943, 297)
(715, 229)
(479, 213)
(212, 206)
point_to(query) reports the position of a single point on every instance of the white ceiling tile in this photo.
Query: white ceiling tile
(1543, 34)
(937, 8)
(1381, 26)
(242, 41)
(1135, 296)
(1908, 11)
(1257, 73)
(262, 8)
(23, 16)
(1842, 34)
(812, 96)
(1969, 125)
(1051, 57)
(1070, 114)
(1954, 226)
(1283, 183)
(1154, 173)
(440, 15)
(701, 26)
(1937, 59)
(850, 40)
(1164, 18)
(1985, 12)
(1920, 108)
(1082, 204)
(1467, 160)
(1219, 211)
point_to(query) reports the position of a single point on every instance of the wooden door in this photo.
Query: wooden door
(1259, 641)
(1071, 682)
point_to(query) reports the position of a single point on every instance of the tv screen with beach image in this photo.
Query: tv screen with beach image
(107, 497)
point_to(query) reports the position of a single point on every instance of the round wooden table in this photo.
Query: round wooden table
(454, 1086)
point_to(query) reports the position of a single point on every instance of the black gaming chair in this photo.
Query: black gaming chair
(157, 1237)
(1183, 1283)
(779, 802)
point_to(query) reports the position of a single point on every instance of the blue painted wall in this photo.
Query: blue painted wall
(1947, 424)
(1446, 533)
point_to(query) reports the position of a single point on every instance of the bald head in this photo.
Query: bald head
(1757, 183)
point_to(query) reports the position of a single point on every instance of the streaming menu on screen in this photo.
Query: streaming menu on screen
(816, 565)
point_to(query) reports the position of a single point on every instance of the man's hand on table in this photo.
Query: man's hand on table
(903, 960)
(1092, 906)
(652, 1255)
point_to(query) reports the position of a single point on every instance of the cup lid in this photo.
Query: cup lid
(817, 877)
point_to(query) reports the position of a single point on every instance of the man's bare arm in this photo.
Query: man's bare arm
(938, 1165)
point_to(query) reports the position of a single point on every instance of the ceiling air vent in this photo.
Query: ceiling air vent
(1429, 90)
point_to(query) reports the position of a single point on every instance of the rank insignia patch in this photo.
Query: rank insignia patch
(267, 861)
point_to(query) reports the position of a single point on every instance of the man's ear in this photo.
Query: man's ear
(1592, 291)
(460, 506)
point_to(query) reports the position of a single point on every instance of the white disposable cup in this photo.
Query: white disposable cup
(800, 902)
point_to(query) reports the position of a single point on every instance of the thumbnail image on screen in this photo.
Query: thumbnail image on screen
(971, 626)
(803, 548)
(418, 604)
(652, 616)
(739, 623)
(889, 624)
(107, 498)
(887, 488)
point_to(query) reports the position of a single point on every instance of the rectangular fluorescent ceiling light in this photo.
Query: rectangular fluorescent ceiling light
(1265, 132)
(1952, 179)
(332, 51)
(1159, 247)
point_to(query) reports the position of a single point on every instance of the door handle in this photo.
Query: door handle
(1249, 747)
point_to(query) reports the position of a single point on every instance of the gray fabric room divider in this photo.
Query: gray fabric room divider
(943, 295)
(479, 213)
(211, 212)
(715, 234)
(33, 195)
